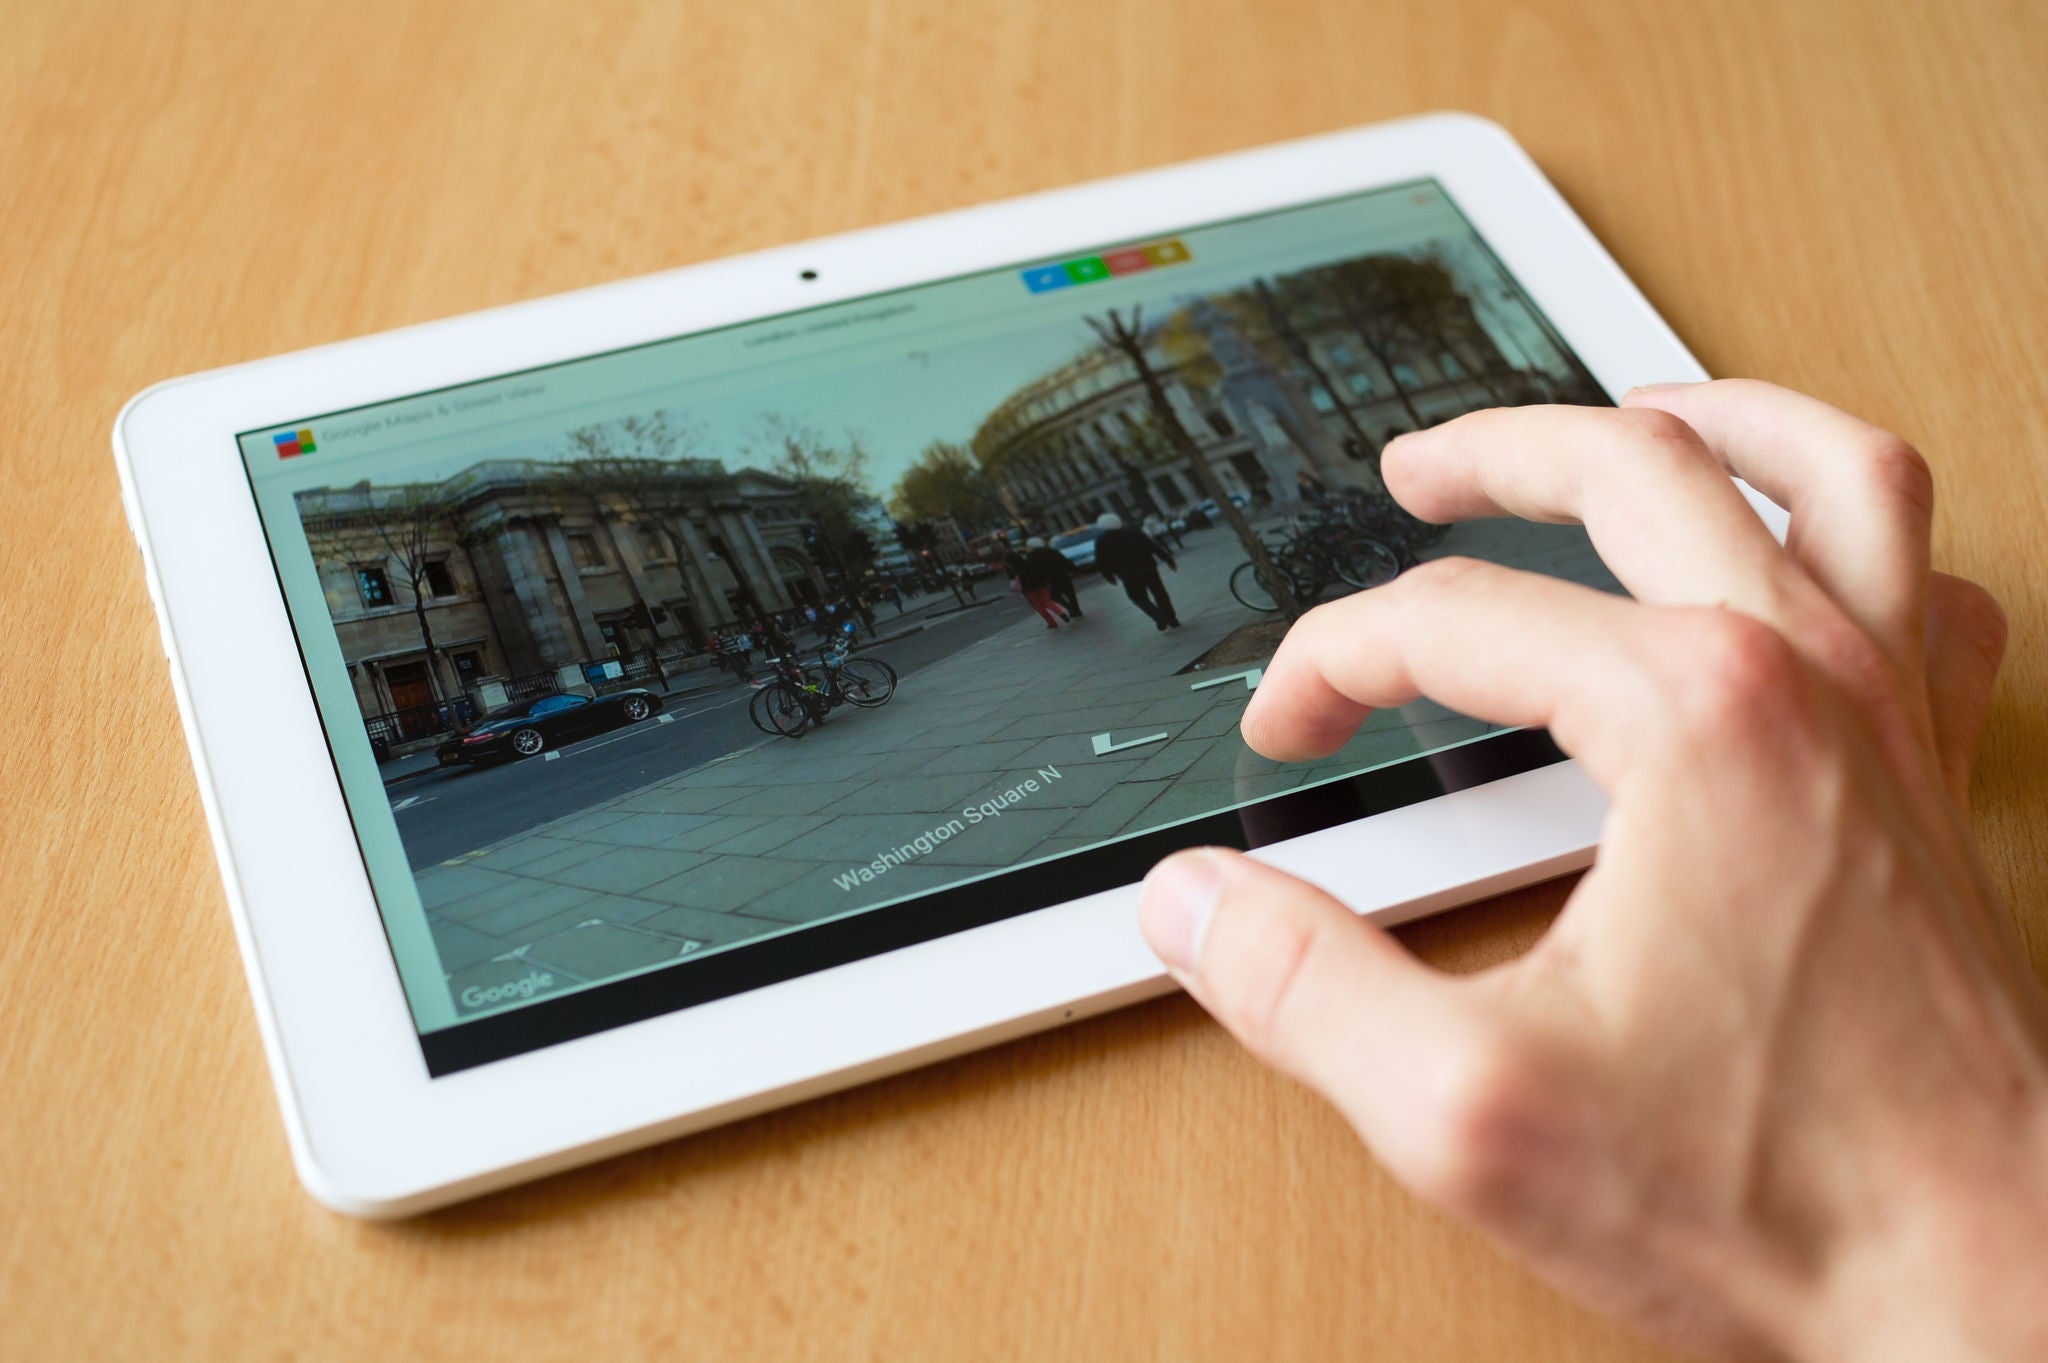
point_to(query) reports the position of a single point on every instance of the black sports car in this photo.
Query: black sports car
(534, 726)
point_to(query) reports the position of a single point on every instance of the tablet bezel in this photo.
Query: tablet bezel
(370, 1132)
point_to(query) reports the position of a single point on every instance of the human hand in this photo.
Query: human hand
(1776, 1080)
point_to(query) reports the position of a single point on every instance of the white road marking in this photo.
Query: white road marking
(720, 706)
(1103, 746)
(551, 757)
(1249, 678)
(587, 745)
(664, 719)
(602, 742)
(409, 801)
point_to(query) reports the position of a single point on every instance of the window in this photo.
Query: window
(1449, 364)
(651, 543)
(1320, 399)
(1360, 385)
(550, 705)
(374, 587)
(583, 550)
(1406, 377)
(1218, 422)
(1340, 355)
(436, 577)
(468, 667)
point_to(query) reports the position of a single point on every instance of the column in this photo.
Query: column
(766, 556)
(527, 577)
(627, 547)
(572, 588)
(744, 565)
(697, 553)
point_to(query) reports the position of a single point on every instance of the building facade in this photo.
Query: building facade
(516, 569)
(1084, 439)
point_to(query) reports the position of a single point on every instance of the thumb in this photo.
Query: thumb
(1315, 991)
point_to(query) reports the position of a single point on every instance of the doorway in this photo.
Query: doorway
(412, 698)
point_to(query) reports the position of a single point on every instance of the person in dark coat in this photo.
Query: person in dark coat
(1126, 555)
(1029, 573)
(1053, 568)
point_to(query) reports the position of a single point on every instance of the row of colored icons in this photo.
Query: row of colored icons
(1088, 269)
(292, 444)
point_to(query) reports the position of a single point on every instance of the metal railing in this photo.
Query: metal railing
(533, 687)
(416, 722)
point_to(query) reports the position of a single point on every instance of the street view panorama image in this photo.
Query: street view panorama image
(632, 661)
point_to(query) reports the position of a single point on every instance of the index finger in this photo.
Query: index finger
(1659, 507)
(1500, 644)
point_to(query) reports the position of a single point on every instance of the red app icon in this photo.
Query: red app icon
(1126, 262)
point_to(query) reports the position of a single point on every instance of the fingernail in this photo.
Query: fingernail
(1174, 910)
(1649, 388)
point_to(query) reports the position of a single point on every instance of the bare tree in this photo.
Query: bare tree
(1281, 324)
(410, 527)
(646, 466)
(831, 481)
(1377, 297)
(1130, 339)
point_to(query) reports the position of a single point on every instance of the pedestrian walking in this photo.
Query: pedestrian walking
(1128, 556)
(1159, 529)
(1058, 574)
(1029, 568)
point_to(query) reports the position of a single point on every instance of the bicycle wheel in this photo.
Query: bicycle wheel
(757, 710)
(1363, 563)
(867, 682)
(1250, 588)
(786, 710)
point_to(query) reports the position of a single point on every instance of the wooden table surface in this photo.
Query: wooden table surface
(1844, 195)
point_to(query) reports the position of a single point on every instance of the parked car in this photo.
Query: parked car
(531, 727)
(1078, 546)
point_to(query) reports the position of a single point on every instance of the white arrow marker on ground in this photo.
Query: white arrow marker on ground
(664, 719)
(1104, 746)
(1249, 678)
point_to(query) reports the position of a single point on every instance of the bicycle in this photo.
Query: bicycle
(797, 697)
(1381, 518)
(1314, 556)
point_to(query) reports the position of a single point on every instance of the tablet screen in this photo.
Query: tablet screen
(675, 671)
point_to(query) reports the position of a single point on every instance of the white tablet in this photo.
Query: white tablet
(625, 711)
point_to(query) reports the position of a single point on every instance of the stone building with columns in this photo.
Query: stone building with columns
(523, 567)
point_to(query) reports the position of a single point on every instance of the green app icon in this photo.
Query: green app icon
(1087, 271)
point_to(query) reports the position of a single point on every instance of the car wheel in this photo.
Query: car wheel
(527, 742)
(637, 708)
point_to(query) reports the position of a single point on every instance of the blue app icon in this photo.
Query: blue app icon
(1047, 277)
